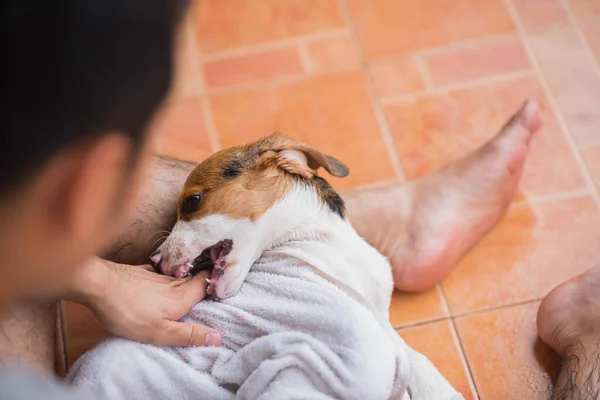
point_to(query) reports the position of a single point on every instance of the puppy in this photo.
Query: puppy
(300, 298)
(245, 200)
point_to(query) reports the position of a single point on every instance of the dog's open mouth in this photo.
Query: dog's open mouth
(213, 258)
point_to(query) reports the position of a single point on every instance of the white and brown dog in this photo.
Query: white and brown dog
(248, 199)
(302, 298)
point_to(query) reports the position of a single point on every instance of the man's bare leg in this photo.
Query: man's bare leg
(154, 215)
(427, 225)
(569, 322)
(27, 336)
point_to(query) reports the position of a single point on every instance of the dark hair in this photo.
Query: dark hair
(76, 68)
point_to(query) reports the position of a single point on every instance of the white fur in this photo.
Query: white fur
(291, 332)
(300, 217)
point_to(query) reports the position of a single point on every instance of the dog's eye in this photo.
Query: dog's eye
(191, 203)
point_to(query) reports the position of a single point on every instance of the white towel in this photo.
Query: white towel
(290, 333)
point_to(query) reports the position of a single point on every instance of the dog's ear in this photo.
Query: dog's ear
(301, 158)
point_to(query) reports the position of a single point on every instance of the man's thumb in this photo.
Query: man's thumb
(188, 334)
(195, 288)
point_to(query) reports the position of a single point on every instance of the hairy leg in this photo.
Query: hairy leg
(568, 321)
(154, 215)
(27, 334)
(579, 376)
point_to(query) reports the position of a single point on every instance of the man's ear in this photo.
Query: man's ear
(301, 158)
(93, 182)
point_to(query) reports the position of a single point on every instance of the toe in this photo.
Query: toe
(511, 146)
(521, 127)
(531, 115)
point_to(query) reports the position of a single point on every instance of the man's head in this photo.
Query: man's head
(81, 81)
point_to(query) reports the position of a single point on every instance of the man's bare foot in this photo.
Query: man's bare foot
(569, 321)
(427, 225)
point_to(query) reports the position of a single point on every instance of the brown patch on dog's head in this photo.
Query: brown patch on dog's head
(245, 181)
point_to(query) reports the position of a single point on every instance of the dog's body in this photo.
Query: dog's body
(302, 218)
(309, 316)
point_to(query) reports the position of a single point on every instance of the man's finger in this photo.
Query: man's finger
(194, 288)
(187, 334)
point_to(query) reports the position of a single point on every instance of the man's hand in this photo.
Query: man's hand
(138, 304)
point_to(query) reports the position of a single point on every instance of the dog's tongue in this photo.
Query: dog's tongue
(215, 253)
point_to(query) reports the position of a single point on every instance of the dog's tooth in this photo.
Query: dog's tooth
(207, 280)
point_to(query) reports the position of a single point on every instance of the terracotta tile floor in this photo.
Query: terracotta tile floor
(398, 88)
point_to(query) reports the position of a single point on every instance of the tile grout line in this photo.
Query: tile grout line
(197, 54)
(457, 342)
(484, 81)
(416, 324)
(463, 359)
(303, 56)
(213, 137)
(372, 185)
(187, 33)
(579, 32)
(590, 144)
(532, 200)
(261, 84)
(423, 71)
(468, 44)
(595, 62)
(374, 95)
(571, 194)
(474, 313)
(469, 84)
(209, 124)
(257, 48)
(566, 130)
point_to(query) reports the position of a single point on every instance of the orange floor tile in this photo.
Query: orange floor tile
(505, 356)
(437, 342)
(397, 89)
